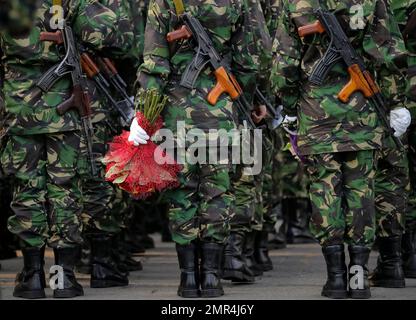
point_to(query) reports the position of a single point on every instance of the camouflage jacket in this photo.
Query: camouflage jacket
(402, 10)
(25, 59)
(264, 46)
(137, 12)
(229, 25)
(271, 9)
(326, 124)
(102, 108)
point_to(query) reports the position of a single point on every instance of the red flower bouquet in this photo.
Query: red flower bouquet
(135, 169)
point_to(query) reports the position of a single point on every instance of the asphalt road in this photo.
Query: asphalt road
(299, 273)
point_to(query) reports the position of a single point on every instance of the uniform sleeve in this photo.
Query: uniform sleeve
(98, 28)
(155, 69)
(245, 53)
(411, 71)
(385, 49)
(264, 48)
(285, 75)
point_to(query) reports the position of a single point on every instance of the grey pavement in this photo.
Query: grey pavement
(299, 273)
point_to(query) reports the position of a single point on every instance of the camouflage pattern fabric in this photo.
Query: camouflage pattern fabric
(342, 197)
(271, 193)
(264, 44)
(137, 15)
(244, 190)
(391, 190)
(201, 206)
(46, 200)
(325, 124)
(271, 9)
(291, 176)
(47, 188)
(403, 9)
(162, 69)
(93, 25)
(97, 194)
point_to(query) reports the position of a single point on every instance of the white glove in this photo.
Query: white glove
(137, 135)
(290, 124)
(400, 119)
(290, 120)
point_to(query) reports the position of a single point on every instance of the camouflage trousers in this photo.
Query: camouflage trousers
(291, 174)
(201, 205)
(251, 205)
(46, 197)
(269, 202)
(411, 208)
(98, 195)
(342, 197)
(271, 192)
(391, 191)
(245, 205)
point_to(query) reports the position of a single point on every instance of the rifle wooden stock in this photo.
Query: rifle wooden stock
(358, 82)
(78, 101)
(110, 66)
(89, 66)
(52, 36)
(225, 84)
(182, 33)
(313, 28)
(103, 67)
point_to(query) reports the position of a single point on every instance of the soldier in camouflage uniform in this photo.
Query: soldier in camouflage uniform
(290, 176)
(338, 139)
(240, 264)
(102, 202)
(392, 191)
(403, 10)
(200, 207)
(47, 194)
(7, 249)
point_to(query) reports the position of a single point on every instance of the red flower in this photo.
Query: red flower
(134, 169)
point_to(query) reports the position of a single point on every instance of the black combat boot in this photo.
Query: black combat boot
(189, 265)
(83, 264)
(279, 240)
(359, 286)
(67, 258)
(298, 224)
(261, 251)
(234, 264)
(30, 282)
(389, 271)
(409, 254)
(105, 273)
(248, 253)
(210, 270)
(336, 284)
(123, 257)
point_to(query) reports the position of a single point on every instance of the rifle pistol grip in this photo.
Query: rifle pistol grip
(224, 84)
(357, 82)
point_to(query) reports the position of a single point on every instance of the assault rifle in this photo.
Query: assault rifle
(125, 107)
(206, 54)
(340, 49)
(79, 99)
